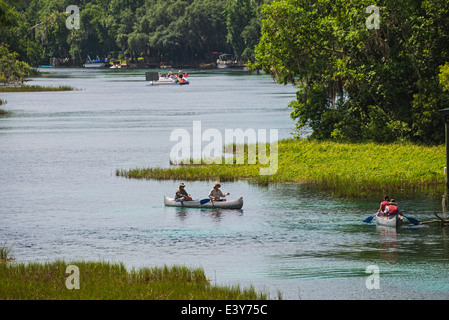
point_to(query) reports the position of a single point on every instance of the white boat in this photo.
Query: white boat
(164, 80)
(95, 63)
(389, 221)
(229, 204)
(226, 61)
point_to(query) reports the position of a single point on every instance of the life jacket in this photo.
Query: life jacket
(384, 204)
(392, 209)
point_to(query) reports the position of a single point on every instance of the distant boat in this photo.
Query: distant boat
(227, 60)
(157, 78)
(95, 63)
(163, 80)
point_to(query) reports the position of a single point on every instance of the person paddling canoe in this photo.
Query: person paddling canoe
(383, 204)
(181, 194)
(215, 194)
(392, 208)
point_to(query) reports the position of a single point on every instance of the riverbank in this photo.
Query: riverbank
(102, 280)
(344, 169)
(34, 88)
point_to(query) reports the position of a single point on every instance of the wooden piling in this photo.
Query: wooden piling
(444, 203)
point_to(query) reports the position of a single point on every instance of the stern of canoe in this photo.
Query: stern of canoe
(392, 221)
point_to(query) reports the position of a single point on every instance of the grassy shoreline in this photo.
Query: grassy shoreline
(35, 88)
(345, 169)
(112, 281)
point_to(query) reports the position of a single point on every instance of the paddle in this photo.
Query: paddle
(208, 199)
(368, 220)
(412, 220)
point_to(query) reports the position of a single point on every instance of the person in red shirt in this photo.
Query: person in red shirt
(383, 204)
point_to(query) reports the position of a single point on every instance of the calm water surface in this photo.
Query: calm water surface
(60, 198)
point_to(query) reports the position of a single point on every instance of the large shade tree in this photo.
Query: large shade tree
(355, 82)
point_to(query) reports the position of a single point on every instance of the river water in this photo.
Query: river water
(60, 198)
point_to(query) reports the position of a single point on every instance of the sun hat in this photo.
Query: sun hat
(182, 184)
(217, 184)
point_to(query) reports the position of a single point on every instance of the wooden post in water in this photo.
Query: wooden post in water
(444, 203)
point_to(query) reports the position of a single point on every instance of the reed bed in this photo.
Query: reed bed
(345, 169)
(35, 88)
(112, 281)
(2, 112)
(5, 254)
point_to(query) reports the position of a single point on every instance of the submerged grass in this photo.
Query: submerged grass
(103, 280)
(345, 169)
(35, 88)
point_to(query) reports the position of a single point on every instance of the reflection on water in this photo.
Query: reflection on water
(62, 200)
(214, 213)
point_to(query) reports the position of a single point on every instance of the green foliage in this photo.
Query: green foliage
(12, 71)
(35, 88)
(346, 169)
(5, 251)
(444, 76)
(112, 281)
(181, 31)
(356, 83)
(14, 33)
(243, 26)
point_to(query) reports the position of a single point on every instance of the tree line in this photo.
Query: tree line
(177, 31)
(355, 82)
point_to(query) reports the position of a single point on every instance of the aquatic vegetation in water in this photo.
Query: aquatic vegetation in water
(5, 254)
(345, 169)
(35, 88)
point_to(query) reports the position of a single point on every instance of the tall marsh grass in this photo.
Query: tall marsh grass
(5, 254)
(2, 112)
(103, 280)
(35, 88)
(345, 169)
